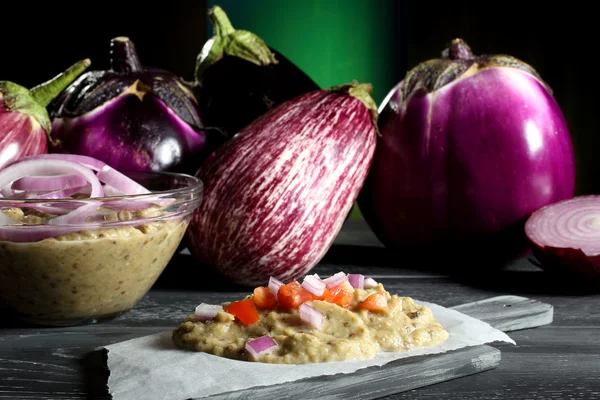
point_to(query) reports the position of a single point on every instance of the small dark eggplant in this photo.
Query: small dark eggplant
(238, 77)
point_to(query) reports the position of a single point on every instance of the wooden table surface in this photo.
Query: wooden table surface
(556, 361)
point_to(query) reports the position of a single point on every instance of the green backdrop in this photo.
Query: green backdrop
(333, 41)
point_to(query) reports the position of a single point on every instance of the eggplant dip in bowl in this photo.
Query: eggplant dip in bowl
(81, 242)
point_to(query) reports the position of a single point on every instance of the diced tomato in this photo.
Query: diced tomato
(374, 302)
(264, 298)
(292, 295)
(339, 295)
(244, 310)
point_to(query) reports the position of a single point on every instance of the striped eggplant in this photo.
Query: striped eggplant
(278, 192)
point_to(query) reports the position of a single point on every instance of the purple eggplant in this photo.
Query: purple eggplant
(238, 77)
(132, 118)
(470, 146)
(24, 121)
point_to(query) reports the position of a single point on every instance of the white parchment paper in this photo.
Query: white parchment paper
(151, 367)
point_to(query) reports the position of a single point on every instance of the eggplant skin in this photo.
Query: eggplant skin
(277, 193)
(233, 92)
(22, 135)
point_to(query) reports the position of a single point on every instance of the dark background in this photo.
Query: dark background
(41, 39)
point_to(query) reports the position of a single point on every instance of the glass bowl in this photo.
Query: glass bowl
(79, 261)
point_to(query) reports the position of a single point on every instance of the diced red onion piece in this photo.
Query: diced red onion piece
(262, 345)
(335, 280)
(77, 216)
(56, 167)
(311, 316)
(313, 285)
(357, 280)
(274, 285)
(50, 183)
(370, 283)
(204, 311)
(86, 161)
(117, 180)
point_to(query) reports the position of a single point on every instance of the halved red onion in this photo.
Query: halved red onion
(311, 316)
(263, 345)
(119, 181)
(370, 283)
(357, 281)
(274, 285)
(57, 167)
(48, 183)
(313, 285)
(204, 311)
(335, 279)
(566, 235)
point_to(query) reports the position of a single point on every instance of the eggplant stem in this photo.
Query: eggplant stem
(123, 56)
(221, 23)
(232, 42)
(45, 92)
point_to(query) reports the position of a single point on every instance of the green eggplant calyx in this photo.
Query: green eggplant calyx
(34, 101)
(362, 92)
(232, 42)
(45, 92)
(19, 99)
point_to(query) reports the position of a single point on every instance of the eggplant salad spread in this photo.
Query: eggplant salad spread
(343, 317)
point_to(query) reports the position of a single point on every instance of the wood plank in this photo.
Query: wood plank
(517, 312)
(374, 383)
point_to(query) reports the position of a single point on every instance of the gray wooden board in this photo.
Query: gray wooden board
(503, 312)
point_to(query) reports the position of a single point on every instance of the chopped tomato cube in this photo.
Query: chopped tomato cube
(375, 302)
(263, 298)
(292, 295)
(244, 310)
(339, 295)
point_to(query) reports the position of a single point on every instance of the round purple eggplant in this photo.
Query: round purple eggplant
(132, 118)
(239, 78)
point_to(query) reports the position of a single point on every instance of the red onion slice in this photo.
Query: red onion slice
(370, 283)
(205, 312)
(77, 216)
(57, 167)
(262, 345)
(357, 281)
(48, 183)
(59, 194)
(274, 285)
(311, 316)
(123, 183)
(336, 279)
(313, 285)
(88, 162)
(566, 234)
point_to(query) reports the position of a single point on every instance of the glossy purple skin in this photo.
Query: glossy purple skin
(468, 162)
(133, 135)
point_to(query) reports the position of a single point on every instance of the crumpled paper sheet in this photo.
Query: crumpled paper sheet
(151, 367)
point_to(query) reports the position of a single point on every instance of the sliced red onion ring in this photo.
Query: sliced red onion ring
(262, 345)
(60, 194)
(311, 316)
(204, 311)
(77, 216)
(88, 162)
(111, 191)
(335, 280)
(357, 281)
(566, 235)
(370, 283)
(56, 167)
(50, 183)
(274, 285)
(313, 285)
(117, 180)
